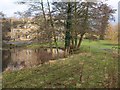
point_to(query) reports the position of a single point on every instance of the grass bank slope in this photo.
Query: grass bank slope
(96, 66)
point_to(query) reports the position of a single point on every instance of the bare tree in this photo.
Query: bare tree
(46, 26)
(52, 25)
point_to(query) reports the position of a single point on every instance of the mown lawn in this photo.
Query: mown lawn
(95, 66)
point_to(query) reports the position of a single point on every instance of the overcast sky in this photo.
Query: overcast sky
(9, 7)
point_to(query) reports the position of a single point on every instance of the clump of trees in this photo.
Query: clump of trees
(73, 19)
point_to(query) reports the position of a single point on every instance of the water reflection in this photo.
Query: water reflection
(17, 58)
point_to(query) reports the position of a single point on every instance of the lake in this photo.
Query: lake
(19, 58)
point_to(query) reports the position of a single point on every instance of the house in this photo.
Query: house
(23, 30)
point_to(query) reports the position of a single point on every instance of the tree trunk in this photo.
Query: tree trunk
(85, 25)
(72, 39)
(52, 25)
(101, 37)
(48, 32)
(68, 27)
(75, 23)
(80, 40)
(102, 32)
(76, 41)
(104, 24)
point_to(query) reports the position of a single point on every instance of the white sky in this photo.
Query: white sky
(9, 7)
(114, 4)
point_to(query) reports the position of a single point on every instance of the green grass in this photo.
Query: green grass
(98, 46)
(38, 45)
(93, 67)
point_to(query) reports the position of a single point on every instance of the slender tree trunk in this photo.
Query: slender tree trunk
(101, 36)
(102, 31)
(75, 23)
(85, 25)
(104, 24)
(80, 40)
(76, 39)
(52, 25)
(48, 32)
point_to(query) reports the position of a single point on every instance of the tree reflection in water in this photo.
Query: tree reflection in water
(17, 58)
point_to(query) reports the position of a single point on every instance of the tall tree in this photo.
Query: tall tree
(75, 23)
(68, 26)
(52, 25)
(46, 26)
(106, 13)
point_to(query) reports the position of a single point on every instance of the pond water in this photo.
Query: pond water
(18, 58)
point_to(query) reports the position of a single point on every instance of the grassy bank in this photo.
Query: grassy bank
(96, 66)
(31, 46)
(39, 45)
